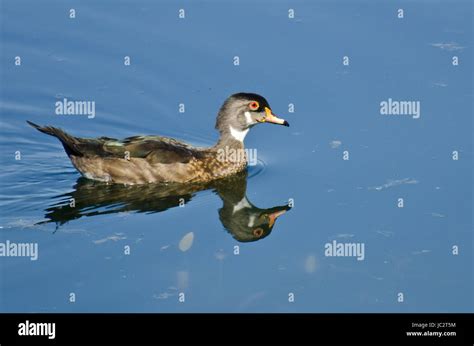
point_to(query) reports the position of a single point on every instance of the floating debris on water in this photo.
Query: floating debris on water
(392, 183)
(186, 242)
(345, 235)
(385, 233)
(420, 252)
(310, 264)
(437, 215)
(450, 47)
(115, 237)
(335, 144)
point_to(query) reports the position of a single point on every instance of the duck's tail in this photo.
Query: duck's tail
(69, 142)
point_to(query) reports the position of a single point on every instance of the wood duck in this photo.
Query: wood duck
(156, 159)
(244, 221)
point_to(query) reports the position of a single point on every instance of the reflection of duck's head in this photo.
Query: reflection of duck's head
(248, 223)
(240, 217)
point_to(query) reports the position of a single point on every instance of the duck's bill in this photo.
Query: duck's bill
(272, 118)
(277, 212)
(274, 216)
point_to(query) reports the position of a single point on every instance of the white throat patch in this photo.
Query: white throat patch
(238, 135)
(243, 203)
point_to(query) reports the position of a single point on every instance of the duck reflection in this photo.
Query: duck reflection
(244, 221)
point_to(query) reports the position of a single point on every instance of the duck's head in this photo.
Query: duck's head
(242, 111)
(251, 223)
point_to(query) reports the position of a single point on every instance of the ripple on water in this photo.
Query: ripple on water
(257, 169)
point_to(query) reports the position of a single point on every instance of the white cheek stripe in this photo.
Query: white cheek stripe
(251, 221)
(248, 118)
(238, 135)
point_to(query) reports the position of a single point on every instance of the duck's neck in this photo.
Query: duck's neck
(232, 190)
(231, 138)
(230, 152)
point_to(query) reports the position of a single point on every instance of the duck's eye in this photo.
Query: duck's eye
(258, 232)
(254, 105)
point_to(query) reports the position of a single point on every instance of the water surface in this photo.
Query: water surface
(136, 249)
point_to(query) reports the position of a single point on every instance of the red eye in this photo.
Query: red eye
(258, 232)
(254, 105)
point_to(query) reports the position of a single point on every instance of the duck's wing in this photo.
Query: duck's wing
(155, 149)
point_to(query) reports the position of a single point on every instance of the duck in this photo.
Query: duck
(156, 159)
(244, 221)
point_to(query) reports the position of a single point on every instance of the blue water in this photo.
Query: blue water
(174, 250)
